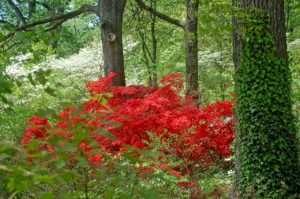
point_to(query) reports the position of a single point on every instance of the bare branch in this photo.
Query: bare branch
(160, 15)
(18, 12)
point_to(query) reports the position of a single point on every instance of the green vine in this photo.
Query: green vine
(266, 125)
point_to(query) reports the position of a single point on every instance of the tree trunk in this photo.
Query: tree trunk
(154, 45)
(191, 42)
(111, 19)
(266, 151)
(191, 48)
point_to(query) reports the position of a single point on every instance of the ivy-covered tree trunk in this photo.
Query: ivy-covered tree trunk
(266, 141)
(111, 19)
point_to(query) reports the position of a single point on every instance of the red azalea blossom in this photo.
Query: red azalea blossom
(201, 136)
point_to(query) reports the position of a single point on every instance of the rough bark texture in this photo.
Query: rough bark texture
(278, 30)
(191, 47)
(275, 12)
(111, 19)
(237, 48)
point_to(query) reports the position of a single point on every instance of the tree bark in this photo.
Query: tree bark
(154, 45)
(191, 48)
(275, 114)
(111, 19)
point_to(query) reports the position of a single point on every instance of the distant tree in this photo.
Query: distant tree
(267, 147)
(191, 40)
(110, 13)
(145, 23)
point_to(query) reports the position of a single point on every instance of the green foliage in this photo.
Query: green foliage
(48, 176)
(215, 50)
(21, 98)
(74, 35)
(292, 9)
(170, 44)
(266, 125)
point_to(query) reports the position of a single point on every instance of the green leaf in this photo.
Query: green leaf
(29, 76)
(106, 134)
(130, 157)
(46, 195)
(1, 36)
(32, 145)
(50, 91)
(60, 164)
(82, 162)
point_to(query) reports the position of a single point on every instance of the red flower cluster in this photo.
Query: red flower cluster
(199, 135)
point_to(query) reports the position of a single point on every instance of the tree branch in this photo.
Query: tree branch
(60, 18)
(160, 15)
(54, 25)
(8, 36)
(18, 12)
(145, 44)
(7, 41)
(6, 22)
(44, 5)
(10, 47)
(83, 9)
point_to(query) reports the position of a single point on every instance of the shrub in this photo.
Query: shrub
(180, 138)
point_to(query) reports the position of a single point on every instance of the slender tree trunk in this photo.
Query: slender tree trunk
(154, 45)
(111, 19)
(266, 148)
(146, 60)
(191, 42)
(191, 48)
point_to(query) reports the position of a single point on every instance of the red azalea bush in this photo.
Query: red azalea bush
(197, 136)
